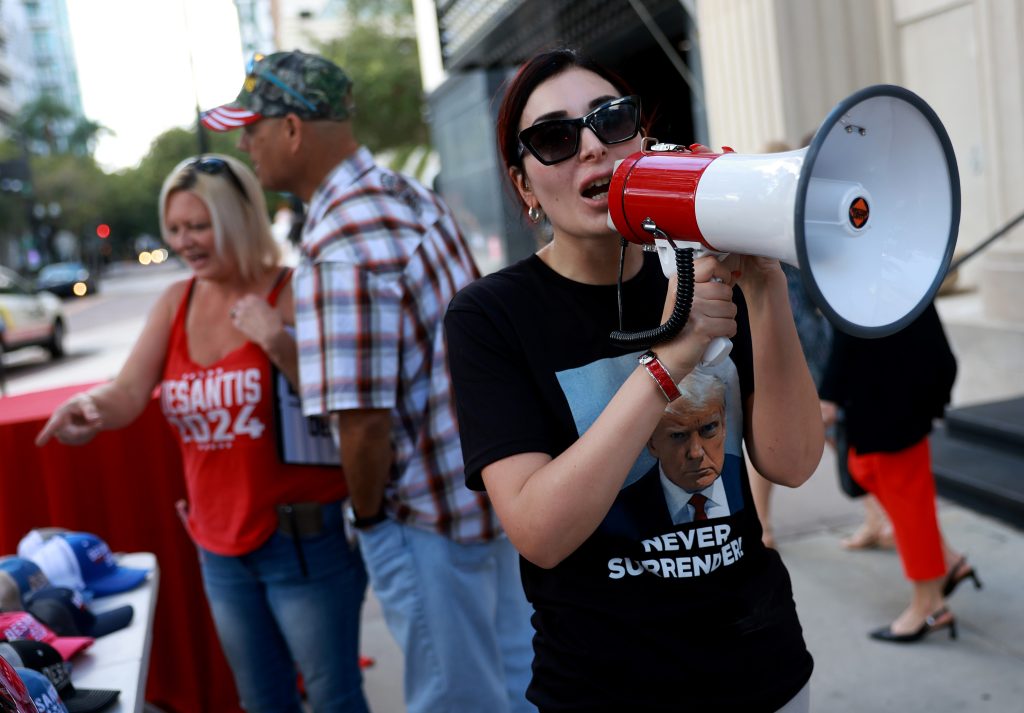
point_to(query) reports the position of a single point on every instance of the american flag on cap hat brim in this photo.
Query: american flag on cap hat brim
(228, 118)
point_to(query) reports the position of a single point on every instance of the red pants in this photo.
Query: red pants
(904, 485)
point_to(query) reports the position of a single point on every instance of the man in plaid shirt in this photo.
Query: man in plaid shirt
(381, 258)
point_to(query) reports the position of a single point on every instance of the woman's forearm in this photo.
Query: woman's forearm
(550, 507)
(785, 436)
(119, 403)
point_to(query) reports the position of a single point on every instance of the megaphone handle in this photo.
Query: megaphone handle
(716, 352)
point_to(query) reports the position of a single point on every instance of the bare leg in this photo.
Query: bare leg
(952, 557)
(874, 532)
(925, 601)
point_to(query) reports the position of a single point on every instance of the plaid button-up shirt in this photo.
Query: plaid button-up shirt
(381, 258)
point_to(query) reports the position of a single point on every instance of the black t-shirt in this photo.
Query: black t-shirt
(646, 615)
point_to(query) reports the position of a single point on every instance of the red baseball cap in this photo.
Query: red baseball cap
(22, 625)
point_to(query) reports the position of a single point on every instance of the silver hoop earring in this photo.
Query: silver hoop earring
(534, 213)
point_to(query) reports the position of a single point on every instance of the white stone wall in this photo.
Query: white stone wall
(774, 68)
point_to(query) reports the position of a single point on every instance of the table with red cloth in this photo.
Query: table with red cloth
(122, 487)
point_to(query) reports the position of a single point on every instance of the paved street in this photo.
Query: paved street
(101, 330)
(840, 595)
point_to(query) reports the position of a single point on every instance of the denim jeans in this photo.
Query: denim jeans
(271, 619)
(458, 613)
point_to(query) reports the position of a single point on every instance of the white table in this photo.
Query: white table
(120, 660)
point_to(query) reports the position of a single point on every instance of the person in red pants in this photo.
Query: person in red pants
(891, 390)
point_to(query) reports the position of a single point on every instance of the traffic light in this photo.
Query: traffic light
(103, 230)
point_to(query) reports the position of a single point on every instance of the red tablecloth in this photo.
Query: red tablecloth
(122, 486)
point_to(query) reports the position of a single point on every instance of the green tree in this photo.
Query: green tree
(379, 53)
(48, 126)
(67, 188)
(40, 122)
(129, 204)
(83, 136)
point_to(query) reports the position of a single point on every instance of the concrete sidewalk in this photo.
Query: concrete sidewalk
(841, 596)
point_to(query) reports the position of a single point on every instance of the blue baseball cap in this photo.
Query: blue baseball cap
(25, 572)
(83, 561)
(44, 695)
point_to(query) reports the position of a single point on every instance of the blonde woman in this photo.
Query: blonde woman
(284, 588)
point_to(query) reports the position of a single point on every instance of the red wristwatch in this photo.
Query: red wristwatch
(649, 361)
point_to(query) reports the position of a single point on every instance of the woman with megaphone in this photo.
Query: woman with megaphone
(623, 488)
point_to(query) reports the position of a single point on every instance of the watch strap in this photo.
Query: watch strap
(649, 361)
(361, 523)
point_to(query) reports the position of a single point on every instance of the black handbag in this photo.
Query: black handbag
(846, 482)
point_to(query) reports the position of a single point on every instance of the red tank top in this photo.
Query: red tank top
(223, 416)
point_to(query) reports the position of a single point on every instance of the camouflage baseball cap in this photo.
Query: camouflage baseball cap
(307, 85)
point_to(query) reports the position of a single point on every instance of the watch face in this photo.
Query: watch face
(647, 358)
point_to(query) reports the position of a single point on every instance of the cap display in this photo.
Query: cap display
(14, 696)
(43, 694)
(46, 660)
(307, 85)
(22, 625)
(64, 610)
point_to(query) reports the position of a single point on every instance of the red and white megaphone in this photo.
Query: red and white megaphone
(869, 211)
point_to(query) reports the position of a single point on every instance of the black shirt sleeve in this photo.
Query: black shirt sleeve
(499, 414)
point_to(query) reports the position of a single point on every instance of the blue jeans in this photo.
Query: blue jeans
(270, 619)
(459, 615)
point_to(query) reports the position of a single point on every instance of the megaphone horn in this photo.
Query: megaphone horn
(869, 210)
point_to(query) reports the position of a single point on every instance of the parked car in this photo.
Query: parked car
(67, 279)
(29, 317)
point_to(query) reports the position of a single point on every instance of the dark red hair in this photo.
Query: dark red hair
(532, 74)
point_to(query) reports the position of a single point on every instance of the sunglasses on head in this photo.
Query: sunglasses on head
(253, 73)
(213, 166)
(554, 141)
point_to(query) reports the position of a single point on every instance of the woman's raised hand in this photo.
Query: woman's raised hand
(257, 320)
(76, 421)
(712, 315)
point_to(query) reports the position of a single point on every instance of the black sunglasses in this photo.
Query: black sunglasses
(212, 166)
(554, 141)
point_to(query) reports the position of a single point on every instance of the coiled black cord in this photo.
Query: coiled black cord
(680, 311)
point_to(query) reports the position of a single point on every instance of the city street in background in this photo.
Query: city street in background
(100, 332)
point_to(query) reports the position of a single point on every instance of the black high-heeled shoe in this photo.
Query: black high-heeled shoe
(930, 624)
(953, 579)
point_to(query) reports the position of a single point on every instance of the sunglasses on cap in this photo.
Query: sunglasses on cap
(252, 73)
(213, 166)
(554, 141)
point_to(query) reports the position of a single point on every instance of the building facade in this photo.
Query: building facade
(257, 26)
(748, 73)
(305, 24)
